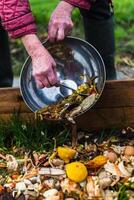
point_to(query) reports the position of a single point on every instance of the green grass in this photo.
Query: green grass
(124, 11)
(42, 10)
(43, 135)
(124, 30)
(33, 135)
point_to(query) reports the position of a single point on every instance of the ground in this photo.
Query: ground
(124, 31)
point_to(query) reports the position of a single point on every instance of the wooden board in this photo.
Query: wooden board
(115, 108)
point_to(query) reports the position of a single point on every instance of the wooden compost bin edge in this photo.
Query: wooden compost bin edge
(115, 107)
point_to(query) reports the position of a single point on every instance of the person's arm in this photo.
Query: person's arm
(17, 19)
(44, 66)
(60, 23)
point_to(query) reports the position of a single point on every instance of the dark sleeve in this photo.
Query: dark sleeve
(80, 3)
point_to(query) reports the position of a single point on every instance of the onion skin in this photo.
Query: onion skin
(129, 151)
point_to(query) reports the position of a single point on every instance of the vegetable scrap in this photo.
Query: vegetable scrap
(71, 106)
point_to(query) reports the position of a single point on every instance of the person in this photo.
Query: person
(98, 26)
(6, 73)
(17, 19)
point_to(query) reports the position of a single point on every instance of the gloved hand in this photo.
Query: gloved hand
(44, 66)
(60, 23)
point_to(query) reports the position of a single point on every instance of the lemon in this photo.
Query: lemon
(66, 153)
(76, 171)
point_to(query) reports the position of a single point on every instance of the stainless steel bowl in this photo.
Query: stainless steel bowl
(75, 60)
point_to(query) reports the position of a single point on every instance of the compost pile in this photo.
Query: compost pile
(92, 170)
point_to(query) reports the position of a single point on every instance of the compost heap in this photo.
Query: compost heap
(89, 171)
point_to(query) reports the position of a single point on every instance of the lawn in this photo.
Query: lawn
(124, 30)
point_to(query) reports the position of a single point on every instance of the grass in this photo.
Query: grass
(124, 11)
(124, 28)
(42, 11)
(124, 31)
(39, 136)
(33, 135)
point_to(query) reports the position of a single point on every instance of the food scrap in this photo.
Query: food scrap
(72, 105)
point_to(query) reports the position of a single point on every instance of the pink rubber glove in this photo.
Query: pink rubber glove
(60, 23)
(44, 66)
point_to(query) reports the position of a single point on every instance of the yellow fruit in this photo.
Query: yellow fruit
(66, 153)
(76, 171)
(97, 162)
(100, 160)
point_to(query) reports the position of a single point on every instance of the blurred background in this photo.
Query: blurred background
(124, 35)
